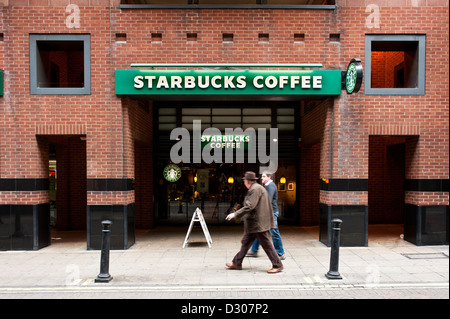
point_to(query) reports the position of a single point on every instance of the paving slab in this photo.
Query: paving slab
(157, 263)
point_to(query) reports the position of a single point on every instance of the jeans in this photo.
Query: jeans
(276, 238)
(264, 237)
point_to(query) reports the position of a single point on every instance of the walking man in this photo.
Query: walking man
(271, 188)
(257, 215)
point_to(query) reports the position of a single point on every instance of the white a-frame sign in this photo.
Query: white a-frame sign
(198, 217)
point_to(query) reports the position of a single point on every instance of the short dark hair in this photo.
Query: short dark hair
(268, 173)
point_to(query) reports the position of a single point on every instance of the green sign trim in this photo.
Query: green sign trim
(1, 82)
(228, 82)
(225, 65)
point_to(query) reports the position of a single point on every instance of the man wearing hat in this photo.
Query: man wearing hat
(258, 219)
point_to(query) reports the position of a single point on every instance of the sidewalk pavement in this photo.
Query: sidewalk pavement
(157, 266)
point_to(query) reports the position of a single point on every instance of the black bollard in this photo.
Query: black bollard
(104, 275)
(333, 273)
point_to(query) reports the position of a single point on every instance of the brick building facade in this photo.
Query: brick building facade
(378, 156)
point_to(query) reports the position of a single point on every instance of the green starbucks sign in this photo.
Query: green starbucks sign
(181, 79)
(228, 82)
(353, 77)
(172, 173)
(225, 141)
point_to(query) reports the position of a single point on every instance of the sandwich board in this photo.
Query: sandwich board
(198, 217)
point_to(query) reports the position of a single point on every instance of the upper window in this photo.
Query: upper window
(395, 64)
(60, 64)
(225, 3)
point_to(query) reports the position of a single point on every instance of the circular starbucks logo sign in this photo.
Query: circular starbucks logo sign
(172, 173)
(350, 81)
(353, 78)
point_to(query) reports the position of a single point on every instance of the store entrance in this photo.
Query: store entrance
(217, 187)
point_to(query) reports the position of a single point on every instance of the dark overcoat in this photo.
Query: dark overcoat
(256, 211)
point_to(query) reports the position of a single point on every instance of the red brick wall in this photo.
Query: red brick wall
(309, 184)
(383, 64)
(359, 116)
(111, 129)
(138, 128)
